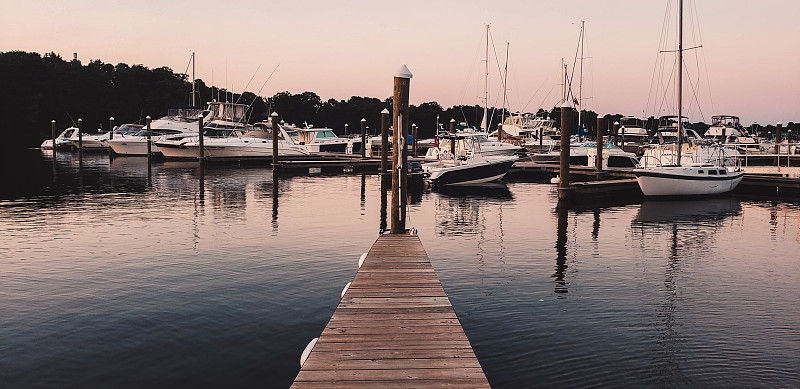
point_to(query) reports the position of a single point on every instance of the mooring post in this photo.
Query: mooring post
(622, 141)
(599, 141)
(111, 128)
(149, 138)
(201, 151)
(363, 137)
(275, 129)
(402, 83)
(80, 134)
(616, 133)
(384, 140)
(778, 128)
(414, 137)
(345, 129)
(53, 134)
(566, 127)
(452, 137)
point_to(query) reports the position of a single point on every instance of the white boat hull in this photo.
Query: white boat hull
(247, 148)
(685, 181)
(131, 146)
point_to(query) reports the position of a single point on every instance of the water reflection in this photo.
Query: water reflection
(275, 196)
(458, 213)
(562, 215)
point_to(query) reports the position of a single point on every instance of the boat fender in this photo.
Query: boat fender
(361, 260)
(345, 289)
(555, 180)
(307, 351)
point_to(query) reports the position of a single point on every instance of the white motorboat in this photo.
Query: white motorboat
(252, 144)
(62, 140)
(488, 147)
(177, 123)
(702, 172)
(177, 147)
(584, 153)
(322, 139)
(726, 129)
(470, 166)
(633, 130)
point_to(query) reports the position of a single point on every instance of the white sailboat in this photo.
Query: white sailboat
(681, 177)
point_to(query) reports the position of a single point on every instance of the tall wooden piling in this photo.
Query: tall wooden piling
(275, 129)
(80, 134)
(616, 133)
(402, 83)
(453, 138)
(384, 140)
(201, 151)
(599, 141)
(566, 129)
(111, 128)
(149, 138)
(364, 137)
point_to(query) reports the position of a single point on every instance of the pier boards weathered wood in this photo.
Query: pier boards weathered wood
(394, 327)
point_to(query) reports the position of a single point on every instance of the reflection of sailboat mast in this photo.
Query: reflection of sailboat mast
(666, 315)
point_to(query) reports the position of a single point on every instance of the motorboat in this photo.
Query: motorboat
(488, 147)
(322, 139)
(726, 129)
(583, 154)
(62, 140)
(692, 169)
(536, 133)
(469, 166)
(177, 147)
(252, 144)
(178, 123)
(633, 130)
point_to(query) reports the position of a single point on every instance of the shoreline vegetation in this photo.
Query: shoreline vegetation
(40, 88)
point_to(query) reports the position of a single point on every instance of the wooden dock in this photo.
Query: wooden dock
(394, 327)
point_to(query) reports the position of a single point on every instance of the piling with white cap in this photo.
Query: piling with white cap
(402, 84)
(363, 137)
(384, 140)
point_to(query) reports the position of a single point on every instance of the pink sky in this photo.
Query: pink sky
(345, 48)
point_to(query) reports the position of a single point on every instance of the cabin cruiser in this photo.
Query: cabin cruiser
(468, 166)
(726, 129)
(488, 146)
(633, 130)
(584, 153)
(178, 123)
(535, 132)
(177, 147)
(62, 140)
(321, 139)
(251, 144)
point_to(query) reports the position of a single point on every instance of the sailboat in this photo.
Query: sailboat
(685, 178)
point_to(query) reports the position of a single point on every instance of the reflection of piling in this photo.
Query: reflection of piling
(363, 137)
(599, 165)
(275, 196)
(566, 129)
(274, 117)
(561, 250)
(384, 203)
(201, 151)
(402, 83)
(453, 138)
(384, 140)
(202, 190)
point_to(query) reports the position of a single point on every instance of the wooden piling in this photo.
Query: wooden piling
(599, 141)
(53, 134)
(80, 134)
(452, 138)
(402, 83)
(616, 133)
(274, 117)
(566, 129)
(414, 138)
(364, 137)
(384, 140)
(622, 144)
(201, 151)
(149, 138)
(111, 128)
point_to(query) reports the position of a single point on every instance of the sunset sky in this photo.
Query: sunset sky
(749, 62)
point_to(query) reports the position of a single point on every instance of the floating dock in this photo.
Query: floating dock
(394, 327)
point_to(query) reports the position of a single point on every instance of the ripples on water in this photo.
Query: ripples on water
(109, 278)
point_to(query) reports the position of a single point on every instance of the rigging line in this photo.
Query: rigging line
(694, 93)
(186, 72)
(258, 94)
(548, 95)
(534, 95)
(248, 83)
(651, 92)
(469, 73)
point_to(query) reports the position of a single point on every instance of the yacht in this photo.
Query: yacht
(726, 129)
(584, 153)
(62, 140)
(321, 139)
(178, 123)
(633, 130)
(537, 133)
(469, 166)
(252, 144)
(489, 147)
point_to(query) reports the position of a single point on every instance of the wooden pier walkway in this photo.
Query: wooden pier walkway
(394, 327)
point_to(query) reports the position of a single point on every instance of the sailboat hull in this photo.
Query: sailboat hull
(685, 181)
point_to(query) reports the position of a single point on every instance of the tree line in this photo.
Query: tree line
(40, 88)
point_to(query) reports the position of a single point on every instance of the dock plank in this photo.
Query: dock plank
(394, 327)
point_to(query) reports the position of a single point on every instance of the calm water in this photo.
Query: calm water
(109, 278)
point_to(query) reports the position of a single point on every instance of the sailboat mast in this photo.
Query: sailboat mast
(505, 96)
(680, 80)
(485, 124)
(563, 82)
(580, 83)
(194, 81)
